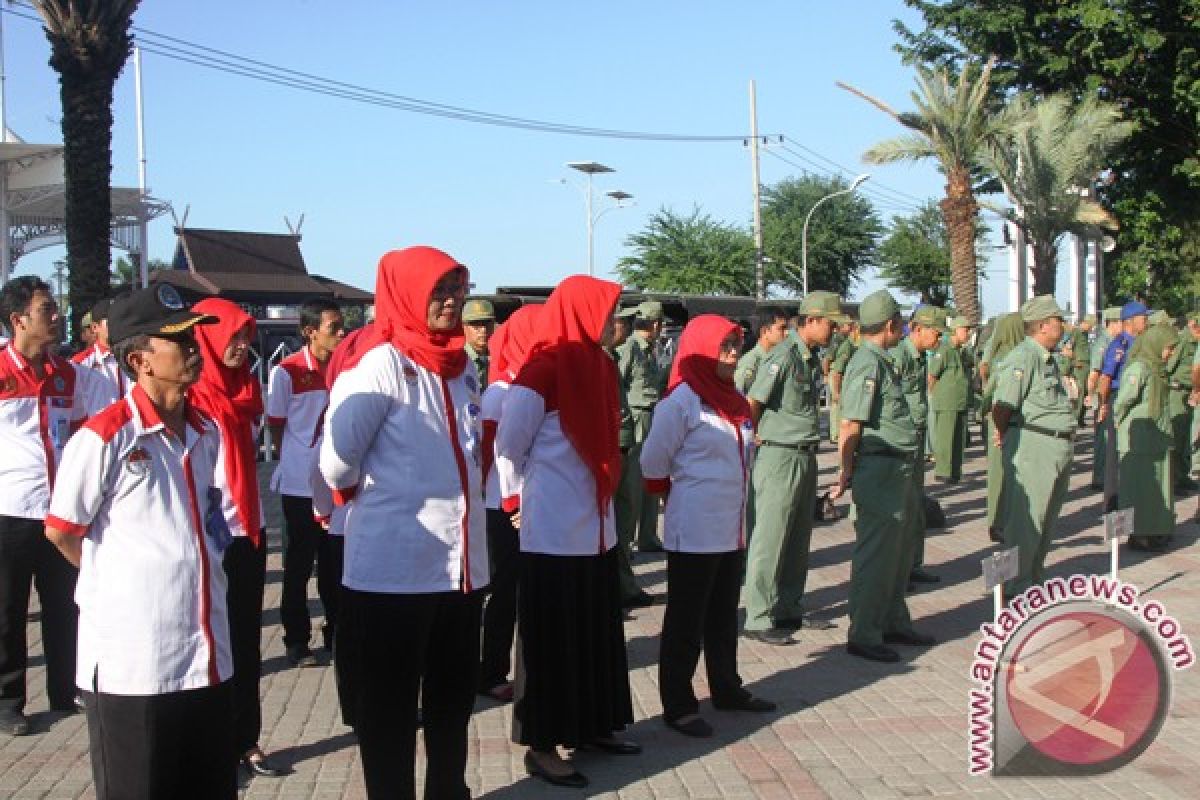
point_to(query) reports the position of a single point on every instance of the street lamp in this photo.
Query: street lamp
(859, 181)
(590, 168)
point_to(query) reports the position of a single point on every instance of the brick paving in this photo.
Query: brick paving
(846, 728)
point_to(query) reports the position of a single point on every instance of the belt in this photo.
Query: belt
(1186, 387)
(809, 447)
(899, 455)
(1068, 435)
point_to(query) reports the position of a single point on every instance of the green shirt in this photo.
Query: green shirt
(787, 388)
(910, 366)
(747, 368)
(1096, 361)
(950, 393)
(641, 376)
(625, 437)
(872, 394)
(1081, 349)
(1179, 368)
(1030, 382)
(841, 356)
(480, 360)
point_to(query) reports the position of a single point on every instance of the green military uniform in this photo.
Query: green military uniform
(643, 380)
(1037, 447)
(883, 484)
(784, 477)
(1095, 364)
(477, 311)
(949, 406)
(841, 357)
(480, 361)
(1081, 360)
(747, 368)
(1179, 374)
(628, 588)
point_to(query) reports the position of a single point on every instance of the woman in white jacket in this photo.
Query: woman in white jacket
(558, 431)
(698, 453)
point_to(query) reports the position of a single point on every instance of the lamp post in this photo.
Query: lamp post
(804, 234)
(590, 168)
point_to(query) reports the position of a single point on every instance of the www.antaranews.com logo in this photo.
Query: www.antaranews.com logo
(1073, 677)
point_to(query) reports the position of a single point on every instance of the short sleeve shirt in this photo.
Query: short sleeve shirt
(872, 394)
(1115, 356)
(296, 398)
(1099, 347)
(910, 366)
(747, 368)
(642, 378)
(787, 387)
(1030, 382)
(841, 356)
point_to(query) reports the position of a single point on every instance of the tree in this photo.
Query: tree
(90, 41)
(952, 124)
(1141, 55)
(842, 235)
(694, 253)
(124, 272)
(1052, 149)
(915, 256)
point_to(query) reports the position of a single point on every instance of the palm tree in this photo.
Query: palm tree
(1051, 153)
(90, 41)
(952, 125)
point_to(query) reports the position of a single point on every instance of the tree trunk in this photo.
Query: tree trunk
(1045, 266)
(959, 210)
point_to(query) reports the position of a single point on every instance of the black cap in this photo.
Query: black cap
(157, 311)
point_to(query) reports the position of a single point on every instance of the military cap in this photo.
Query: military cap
(157, 311)
(477, 310)
(627, 313)
(1041, 307)
(1112, 314)
(877, 307)
(930, 317)
(958, 322)
(651, 311)
(1160, 317)
(1090, 319)
(823, 304)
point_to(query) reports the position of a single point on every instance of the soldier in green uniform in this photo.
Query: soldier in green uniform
(643, 380)
(1194, 401)
(1081, 358)
(1179, 375)
(479, 321)
(878, 445)
(925, 329)
(1009, 332)
(837, 371)
(772, 328)
(1111, 318)
(1034, 418)
(949, 395)
(625, 516)
(783, 402)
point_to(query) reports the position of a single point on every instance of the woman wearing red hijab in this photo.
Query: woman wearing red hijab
(558, 431)
(698, 452)
(232, 395)
(402, 447)
(510, 346)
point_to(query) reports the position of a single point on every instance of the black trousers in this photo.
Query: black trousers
(246, 573)
(500, 613)
(392, 648)
(152, 747)
(702, 603)
(27, 558)
(306, 543)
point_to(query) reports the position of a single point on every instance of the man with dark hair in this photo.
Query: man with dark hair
(41, 405)
(479, 323)
(102, 374)
(772, 328)
(296, 399)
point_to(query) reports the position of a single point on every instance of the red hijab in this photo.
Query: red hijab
(403, 288)
(696, 365)
(511, 343)
(232, 397)
(575, 376)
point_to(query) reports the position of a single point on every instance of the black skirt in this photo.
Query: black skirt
(572, 677)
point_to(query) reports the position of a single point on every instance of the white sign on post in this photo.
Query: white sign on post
(1118, 525)
(998, 568)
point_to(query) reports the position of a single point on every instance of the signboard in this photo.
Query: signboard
(999, 567)
(1118, 525)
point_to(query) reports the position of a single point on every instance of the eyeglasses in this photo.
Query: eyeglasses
(444, 291)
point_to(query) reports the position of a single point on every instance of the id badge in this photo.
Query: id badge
(215, 524)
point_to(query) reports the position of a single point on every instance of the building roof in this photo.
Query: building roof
(344, 292)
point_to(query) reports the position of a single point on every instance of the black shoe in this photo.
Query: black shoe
(911, 638)
(770, 636)
(806, 623)
(746, 702)
(575, 780)
(617, 747)
(995, 536)
(919, 575)
(14, 723)
(262, 767)
(696, 728)
(1186, 486)
(639, 600)
(873, 652)
(300, 656)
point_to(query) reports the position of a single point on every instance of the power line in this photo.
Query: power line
(880, 200)
(185, 51)
(843, 170)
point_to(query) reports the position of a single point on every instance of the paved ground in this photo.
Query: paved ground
(846, 728)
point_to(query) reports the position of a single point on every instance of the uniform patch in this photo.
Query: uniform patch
(474, 410)
(1018, 373)
(1118, 354)
(869, 385)
(410, 374)
(138, 461)
(307, 379)
(773, 369)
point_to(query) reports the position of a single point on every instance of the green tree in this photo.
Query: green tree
(693, 253)
(842, 235)
(953, 123)
(90, 40)
(1052, 149)
(124, 272)
(1140, 54)
(915, 256)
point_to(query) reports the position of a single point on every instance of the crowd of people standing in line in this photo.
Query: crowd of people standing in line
(469, 494)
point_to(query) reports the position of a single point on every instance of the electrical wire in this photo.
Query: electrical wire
(879, 200)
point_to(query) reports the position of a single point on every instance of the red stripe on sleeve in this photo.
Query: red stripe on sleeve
(60, 524)
(657, 485)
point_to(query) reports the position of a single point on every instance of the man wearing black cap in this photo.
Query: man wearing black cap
(136, 509)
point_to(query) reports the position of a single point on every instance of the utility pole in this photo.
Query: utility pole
(60, 269)
(760, 284)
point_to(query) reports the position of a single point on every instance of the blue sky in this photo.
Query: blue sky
(243, 154)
